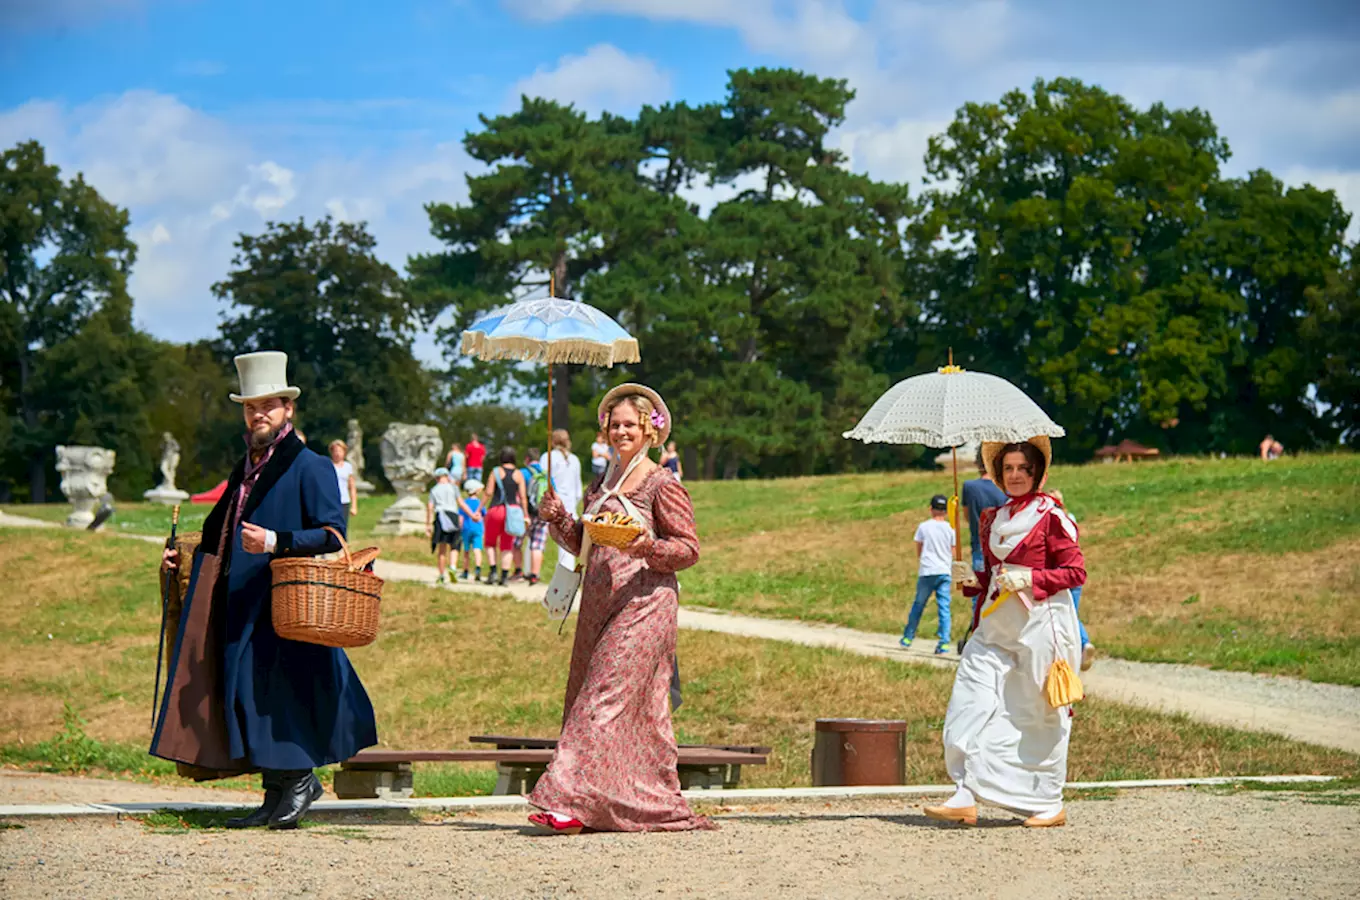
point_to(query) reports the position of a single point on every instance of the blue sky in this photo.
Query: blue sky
(209, 118)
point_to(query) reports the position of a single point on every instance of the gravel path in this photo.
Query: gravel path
(1323, 714)
(1264, 845)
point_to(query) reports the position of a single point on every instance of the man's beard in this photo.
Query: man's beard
(261, 439)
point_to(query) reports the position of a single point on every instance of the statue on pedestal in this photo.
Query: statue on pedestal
(410, 454)
(85, 475)
(166, 492)
(355, 457)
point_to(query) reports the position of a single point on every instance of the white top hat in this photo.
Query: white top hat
(263, 375)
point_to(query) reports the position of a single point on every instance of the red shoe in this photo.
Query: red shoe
(551, 824)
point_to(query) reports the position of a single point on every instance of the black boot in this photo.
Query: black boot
(260, 817)
(300, 790)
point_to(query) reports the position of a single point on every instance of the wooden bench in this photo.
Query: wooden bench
(386, 774)
(696, 770)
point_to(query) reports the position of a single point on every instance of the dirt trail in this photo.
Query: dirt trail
(1268, 845)
(1323, 714)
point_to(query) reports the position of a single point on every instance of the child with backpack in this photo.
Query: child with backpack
(537, 537)
(470, 511)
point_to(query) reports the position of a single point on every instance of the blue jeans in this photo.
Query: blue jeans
(979, 563)
(1076, 599)
(925, 586)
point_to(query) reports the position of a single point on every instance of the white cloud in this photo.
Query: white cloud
(192, 184)
(912, 64)
(604, 77)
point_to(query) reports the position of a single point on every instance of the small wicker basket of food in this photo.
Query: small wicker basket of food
(612, 529)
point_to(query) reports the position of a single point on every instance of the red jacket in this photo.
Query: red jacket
(1050, 551)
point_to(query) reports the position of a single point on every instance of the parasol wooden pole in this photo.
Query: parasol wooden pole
(958, 548)
(551, 286)
(550, 428)
(958, 501)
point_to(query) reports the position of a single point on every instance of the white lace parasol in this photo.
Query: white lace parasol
(951, 407)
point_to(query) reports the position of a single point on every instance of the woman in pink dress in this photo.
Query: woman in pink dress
(614, 769)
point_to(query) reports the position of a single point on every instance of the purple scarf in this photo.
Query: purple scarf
(252, 473)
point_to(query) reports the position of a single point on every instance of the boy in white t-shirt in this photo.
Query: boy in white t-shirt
(935, 551)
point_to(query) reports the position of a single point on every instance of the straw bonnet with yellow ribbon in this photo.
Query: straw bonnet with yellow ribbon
(661, 414)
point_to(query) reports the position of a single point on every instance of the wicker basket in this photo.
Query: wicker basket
(329, 602)
(616, 536)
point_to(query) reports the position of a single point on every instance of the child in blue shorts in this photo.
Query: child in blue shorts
(470, 510)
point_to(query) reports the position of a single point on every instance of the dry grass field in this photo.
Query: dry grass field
(1228, 563)
(80, 614)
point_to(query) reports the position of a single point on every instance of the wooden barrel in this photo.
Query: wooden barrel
(859, 752)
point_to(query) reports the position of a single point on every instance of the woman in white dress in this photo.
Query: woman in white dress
(1003, 744)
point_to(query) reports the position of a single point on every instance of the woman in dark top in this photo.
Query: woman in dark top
(670, 459)
(505, 488)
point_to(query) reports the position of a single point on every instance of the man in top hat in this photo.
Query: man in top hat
(238, 697)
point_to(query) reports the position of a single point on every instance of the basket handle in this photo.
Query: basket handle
(349, 557)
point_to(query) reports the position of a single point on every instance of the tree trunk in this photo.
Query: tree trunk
(731, 467)
(690, 461)
(711, 461)
(561, 395)
(562, 386)
(37, 464)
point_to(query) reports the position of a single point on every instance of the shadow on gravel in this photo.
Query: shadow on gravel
(177, 821)
(912, 820)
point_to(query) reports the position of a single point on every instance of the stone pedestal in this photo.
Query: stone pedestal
(166, 493)
(166, 496)
(410, 454)
(84, 479)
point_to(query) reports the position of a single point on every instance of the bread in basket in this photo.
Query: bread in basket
(612, 529)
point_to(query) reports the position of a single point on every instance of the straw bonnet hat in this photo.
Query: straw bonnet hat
(990, 448)
(663, 427)
(264, 375)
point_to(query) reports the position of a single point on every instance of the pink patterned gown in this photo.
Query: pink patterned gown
(615, 763)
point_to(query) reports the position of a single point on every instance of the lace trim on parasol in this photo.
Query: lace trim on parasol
(575, 351)
(955, 439)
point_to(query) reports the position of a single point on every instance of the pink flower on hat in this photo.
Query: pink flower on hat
(658, 420)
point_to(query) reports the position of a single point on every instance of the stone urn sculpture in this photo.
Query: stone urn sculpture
(355, 456)
(85, 475)
(410, 454)
(166, 493)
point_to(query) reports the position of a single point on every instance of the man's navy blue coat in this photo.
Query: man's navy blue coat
(286, 704)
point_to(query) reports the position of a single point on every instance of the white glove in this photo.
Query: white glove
(1015, 581)
(963, 574)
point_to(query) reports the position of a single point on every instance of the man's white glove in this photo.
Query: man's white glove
(1015, 581)
(963, 574)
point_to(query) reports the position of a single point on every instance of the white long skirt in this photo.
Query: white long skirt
(1002, 740)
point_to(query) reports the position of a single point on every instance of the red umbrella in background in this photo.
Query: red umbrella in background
(211, 496)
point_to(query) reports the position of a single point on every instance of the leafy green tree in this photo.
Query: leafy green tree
(1066, 239)
(762, 313)
(1331, 344)
(64, 256)
(344, 317)
(1271, 246)
(542, 216)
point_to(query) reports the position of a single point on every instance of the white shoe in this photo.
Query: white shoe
(1088, 656)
